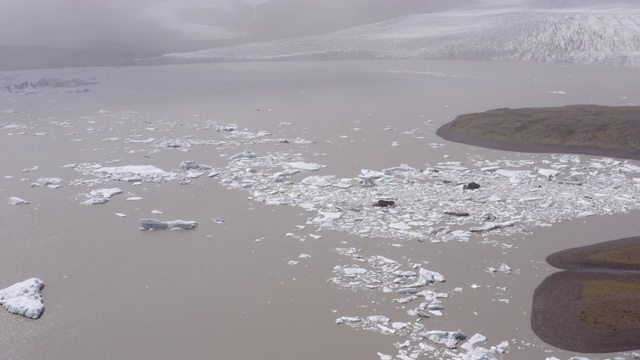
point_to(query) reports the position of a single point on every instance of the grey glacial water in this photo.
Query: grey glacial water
(113, 291)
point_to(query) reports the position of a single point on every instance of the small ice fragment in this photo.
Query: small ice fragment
(156, 212)
(347, 319)
(505, 269)
(52, 183)
(469, 345)
(153, 224)
(291, 262)
(492, 226)
(33, 168)
(407, 291)
(353, 271)
(247, 154)
(378, 318)
(475, 286)
(304, 166)
(447, 338)
(217, 220)
(134, 198)
(23, 298)
(100, 196)
(121, 215)
(400, 226)
(14, 200)
(304, 256)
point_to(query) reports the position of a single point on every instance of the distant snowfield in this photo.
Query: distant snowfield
(597, 35)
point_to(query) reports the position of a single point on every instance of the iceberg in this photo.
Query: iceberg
(14, 200)
(23, 298)
(153, 224)
(101, 196)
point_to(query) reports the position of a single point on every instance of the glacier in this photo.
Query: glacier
(607, 35)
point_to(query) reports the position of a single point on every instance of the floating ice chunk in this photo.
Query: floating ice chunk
(23, 298)
(556, 92)
(470, 344)
(134, 198)
(156, 212)
(475, 286)
(426, 277)
(504, 268)
(353, 271)
(135, 173)
(51, 182)
(513, 173)
(479, 353)
(247, 154)
(451, 167)
(192, 165)
(301, 141)
(291, 262)
(347, 319)
(447, 338)
(33, 168)
(319, 181)
(572, 180)
(146, 141)
(100, 196)
(400, 226)
(378, 318)
(386, 330)
(14, 200)
(440, 230)
(153, 224)
(304, 166)
(549, 173)
(492, 226)
(407, 290)
(304, 256)
(327, 217)
(405, 273)
(217, 220)
(385, 357)
(370, 174)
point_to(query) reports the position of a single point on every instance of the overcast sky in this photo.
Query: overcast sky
(60, 22)
(67, 22)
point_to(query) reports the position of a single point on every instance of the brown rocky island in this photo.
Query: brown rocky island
(593, 306)
(579, 129)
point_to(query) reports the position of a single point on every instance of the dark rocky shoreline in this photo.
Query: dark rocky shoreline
(612, 131)
(594, 306)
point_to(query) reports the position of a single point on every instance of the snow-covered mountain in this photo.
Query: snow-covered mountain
(535, 30)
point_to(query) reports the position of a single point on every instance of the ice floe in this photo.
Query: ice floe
(153, 224)
(50, 182)
(23, 298)
(14, 200)
(100, 196)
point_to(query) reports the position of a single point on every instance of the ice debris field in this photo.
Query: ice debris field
(438, 202)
